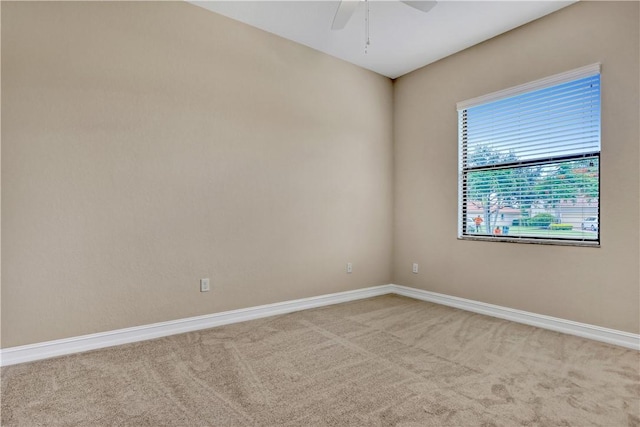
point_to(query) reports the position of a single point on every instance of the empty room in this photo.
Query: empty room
(365, 213)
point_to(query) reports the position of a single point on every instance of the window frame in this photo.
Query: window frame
(463, 170)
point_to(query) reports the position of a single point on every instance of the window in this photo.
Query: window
(529, 162)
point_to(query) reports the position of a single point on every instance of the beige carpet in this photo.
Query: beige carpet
(383, 361)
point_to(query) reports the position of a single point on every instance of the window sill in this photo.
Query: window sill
(556, 242)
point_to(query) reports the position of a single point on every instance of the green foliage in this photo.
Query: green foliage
(561, 227)
(568, 181)
(541, 220)
(495, 189)
(550, 186)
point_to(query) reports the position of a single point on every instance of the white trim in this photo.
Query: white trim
(567, 76)
(45, 350)
(48, 349)
(541, 241)
(597, 333)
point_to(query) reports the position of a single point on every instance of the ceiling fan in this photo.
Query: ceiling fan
(348, 7)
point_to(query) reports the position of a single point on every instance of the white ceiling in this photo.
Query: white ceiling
(402, 38)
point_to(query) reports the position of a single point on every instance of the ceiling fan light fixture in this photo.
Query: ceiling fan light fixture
(421, 5)
(346, 8)
(343, 14)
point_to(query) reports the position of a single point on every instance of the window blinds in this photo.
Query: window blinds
(529, 150)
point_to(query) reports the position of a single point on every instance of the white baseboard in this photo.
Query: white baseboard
(48, 349)
(597, 333)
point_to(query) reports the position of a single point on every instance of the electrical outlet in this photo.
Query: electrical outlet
(204, 285)
(415, 268)
(349, 268)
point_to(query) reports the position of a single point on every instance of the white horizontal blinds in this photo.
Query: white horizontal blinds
(553, 122)
(566, 191)
(529, 160)
(568, 76)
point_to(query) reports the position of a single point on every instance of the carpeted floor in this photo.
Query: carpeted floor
(383, 361)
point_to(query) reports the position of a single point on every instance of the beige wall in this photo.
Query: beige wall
(147, 145)
(600, 286)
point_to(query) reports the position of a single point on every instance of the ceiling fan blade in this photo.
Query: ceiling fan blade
(343, 14)
(422, 5)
